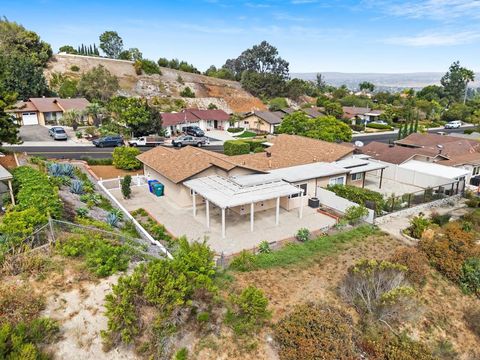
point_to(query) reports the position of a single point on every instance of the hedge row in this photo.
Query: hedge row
(359, 195)
(239, 147)
(379, 126)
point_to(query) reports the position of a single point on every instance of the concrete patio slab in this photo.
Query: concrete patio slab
(180, 221)
(389, 187)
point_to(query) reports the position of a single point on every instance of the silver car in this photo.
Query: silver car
(58, 133)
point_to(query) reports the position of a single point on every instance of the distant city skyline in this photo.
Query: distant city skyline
(374, 36)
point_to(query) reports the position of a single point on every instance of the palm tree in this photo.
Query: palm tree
(468, 75)
(71, 118)
(95, 110)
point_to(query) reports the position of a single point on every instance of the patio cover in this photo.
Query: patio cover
(241, 190)
(4, 174)
(446, 172)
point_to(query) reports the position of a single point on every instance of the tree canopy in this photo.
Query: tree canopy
(324, 128)
(98, 84)
(8, 126)
(455, 82)
(111, 44)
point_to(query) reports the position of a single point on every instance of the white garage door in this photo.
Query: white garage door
(30, 118)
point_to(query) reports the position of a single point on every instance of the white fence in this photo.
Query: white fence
(335, 202)
(138, 180)
(411, 177)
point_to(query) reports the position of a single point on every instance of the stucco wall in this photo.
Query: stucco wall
(255, 123)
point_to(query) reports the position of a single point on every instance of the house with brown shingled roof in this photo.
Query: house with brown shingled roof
(204, 119)
(48, 110)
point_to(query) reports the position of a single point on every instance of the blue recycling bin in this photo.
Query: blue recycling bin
(150, 184)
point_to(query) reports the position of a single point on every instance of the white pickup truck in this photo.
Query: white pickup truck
(146, 141)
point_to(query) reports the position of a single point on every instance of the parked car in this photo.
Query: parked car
(146, 141)
(58, 133)
(108, 141)
(379, 122)
(189, 140)
(193, 130)
(453, 124)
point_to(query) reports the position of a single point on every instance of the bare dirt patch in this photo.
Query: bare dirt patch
(110, 172)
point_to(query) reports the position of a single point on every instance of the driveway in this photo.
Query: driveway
(34, 133)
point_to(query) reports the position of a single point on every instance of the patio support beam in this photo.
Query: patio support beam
(194, 200)
(223, 223)
(207, 212)
(363, 179)
(277, 212)
(11, 191)
(252, 215)
(381, 178)
(300, 210)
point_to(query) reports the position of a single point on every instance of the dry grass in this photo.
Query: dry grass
(111, 172)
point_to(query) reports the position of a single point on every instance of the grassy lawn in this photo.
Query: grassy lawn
(246, 134)
(312, 250)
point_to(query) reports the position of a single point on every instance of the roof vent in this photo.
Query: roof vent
(269, 154)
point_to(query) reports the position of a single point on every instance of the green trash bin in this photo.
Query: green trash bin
(158, 189)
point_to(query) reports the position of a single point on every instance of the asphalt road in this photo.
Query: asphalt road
(78, 152)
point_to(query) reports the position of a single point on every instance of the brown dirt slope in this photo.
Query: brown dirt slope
(227, 95)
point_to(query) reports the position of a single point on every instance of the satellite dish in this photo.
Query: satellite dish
(358, 143)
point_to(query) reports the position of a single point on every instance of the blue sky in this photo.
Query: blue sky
(313, 35)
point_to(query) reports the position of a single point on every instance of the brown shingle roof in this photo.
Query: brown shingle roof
(74, 103)
(51, 104)
(271, 118)
(291, 150)
(179, 165)
(394, 155)
(423, 140)
(193, 115)
(45, 104)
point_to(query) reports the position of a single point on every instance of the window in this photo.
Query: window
(358, 176)
(476, 170)
(337, 181)
(303, 187)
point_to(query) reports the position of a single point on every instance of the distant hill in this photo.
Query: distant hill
(391, 82)
(225, 94)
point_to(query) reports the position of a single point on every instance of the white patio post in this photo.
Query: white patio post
(11, 191)
(194, 200)
(223, 223)
(207, 212)
(252, 215)
(277, 212)
(300, 210)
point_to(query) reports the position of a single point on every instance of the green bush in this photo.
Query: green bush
(438, 219)
(355, 214)
(470, 276)
(181, 354)
(126, 182)
(92, 161)
(379, 126)
(74, 68)
(149, 67)
(126, 158)
(248, 311)
(187, 92)
(418, 224)
(359, 195)
(245, 261)
(34, 189)
(303, 234)
(235, 130)
(264, 247)
(315, 331)
(254, 144)
(235, 147)
(21, 341)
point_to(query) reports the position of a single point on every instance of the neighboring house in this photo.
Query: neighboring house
(431, 148)
(205, 119)
(47, 111)
(354, 113)
(268, 121)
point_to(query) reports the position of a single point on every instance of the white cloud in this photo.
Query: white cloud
(435, 39)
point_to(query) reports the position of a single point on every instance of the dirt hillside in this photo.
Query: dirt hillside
(226, 95)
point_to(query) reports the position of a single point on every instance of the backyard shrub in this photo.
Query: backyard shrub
(21, 223)
(235, 147)
(472, 318)
(315, 331)
(235, 130)
(355, 214)
(74, 68)
(149, 67)
(359, 195)
(33, 189)
(255, 145)
(248, 311)
(415, 261)
(379, 289)
(379, 126)
(303, 234)
(126, 182)
(92, 161)
(126, 158)
(379, 344)
(21, 341)
(470, 276)
(438, 219)
(187, 92)
(418, 224)
(245, 261)
(448, 252)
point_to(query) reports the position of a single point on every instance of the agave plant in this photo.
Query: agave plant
(82, 212)
(67, 170)
(76, 187)
(264, 247)
(112, 219)
(118, 213)
(54, 169)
